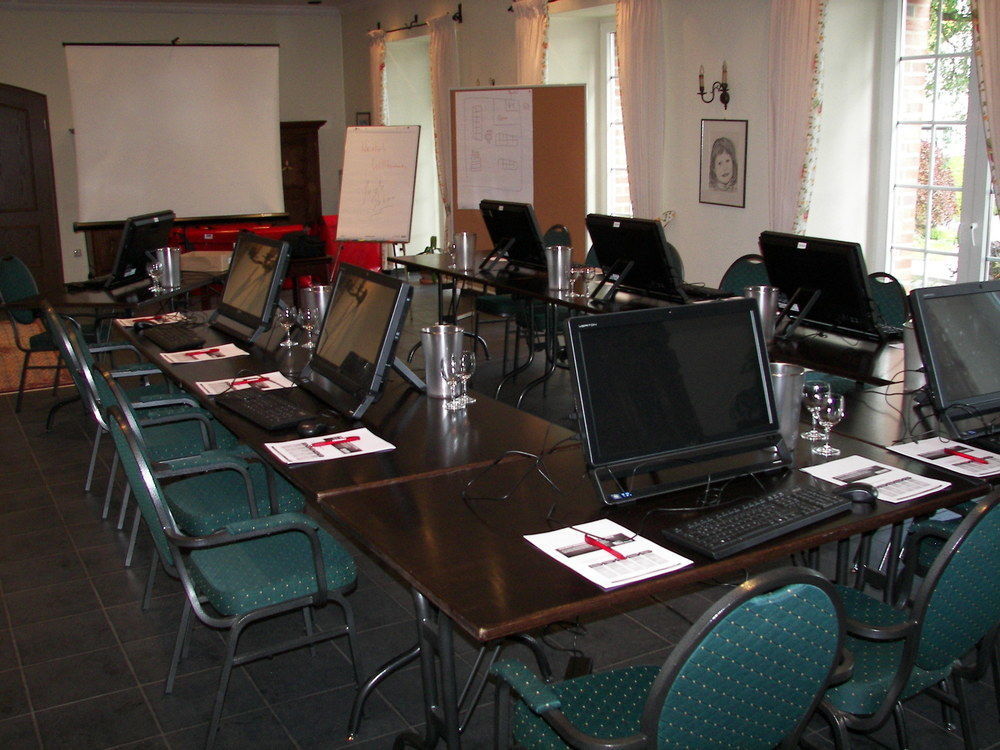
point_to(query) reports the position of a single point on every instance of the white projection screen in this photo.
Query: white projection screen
(190, 128)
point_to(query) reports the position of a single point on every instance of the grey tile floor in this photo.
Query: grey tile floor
(81, 666)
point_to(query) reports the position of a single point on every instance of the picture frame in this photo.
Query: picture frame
(723, 173)
(363, 118)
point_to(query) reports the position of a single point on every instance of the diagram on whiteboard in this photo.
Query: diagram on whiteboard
(495, 144)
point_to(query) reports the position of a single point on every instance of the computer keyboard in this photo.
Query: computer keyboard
(173, 337)
(697, 291)
(734, 529)
(266, 409)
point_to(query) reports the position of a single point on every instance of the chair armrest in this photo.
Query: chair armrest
(843, 671)
(539, 696)
(209, 461)
(893, 632)
(121, 347)
(169, 402)
(154, 414)
(136, 370)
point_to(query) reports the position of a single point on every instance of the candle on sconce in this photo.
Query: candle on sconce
(724, 72)
(701, 78)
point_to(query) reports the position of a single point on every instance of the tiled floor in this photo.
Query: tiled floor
(81, 666)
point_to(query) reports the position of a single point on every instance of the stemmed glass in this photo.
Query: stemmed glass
(465, 368)
(575, 271)
(308, 318)
(450, 371)
(286, 319)
(812, 395)
(829, 412)
(155, 270)
(589, 274)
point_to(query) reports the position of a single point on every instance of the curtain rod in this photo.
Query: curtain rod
(417, 23)
(175, 42)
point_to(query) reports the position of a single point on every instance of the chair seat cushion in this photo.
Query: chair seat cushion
(204, 503)
(247, 575)
(586, 702)
(875, 662)
(501, 305)
(176, 439)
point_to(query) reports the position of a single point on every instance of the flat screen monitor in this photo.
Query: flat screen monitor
(656, 266)
(255, 275)
(958, 330)
(513, 229)
(141, 236)
(357, 343)
(672, 386)
(833, 269)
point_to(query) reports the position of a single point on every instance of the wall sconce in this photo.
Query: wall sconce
(721, 86)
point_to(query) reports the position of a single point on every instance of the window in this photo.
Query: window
(408, 102)
(618, 198)
(940, 217)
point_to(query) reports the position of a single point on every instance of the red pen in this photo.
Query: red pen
(203, 351)
(601, 545)
(953, 452)
(250, 381)
(335, 441)
(148, 317)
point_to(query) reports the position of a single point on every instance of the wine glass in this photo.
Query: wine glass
(575, 271)
(465, 368)
(308, 318)
(589, 274)
(155, 270)
(450, 372)
(812, 395)
(286, 319)
(829, 412)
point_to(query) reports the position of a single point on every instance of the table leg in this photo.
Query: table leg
(551, 353)
(892, 567)
(437, 673)
(364, 690)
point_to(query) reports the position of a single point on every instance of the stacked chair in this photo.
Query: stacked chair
(747, 270)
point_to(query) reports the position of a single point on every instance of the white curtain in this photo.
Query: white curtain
(376, 75)
(986, 36)
(796, 39)
(641, 68)
(444, 78)
(531, 32)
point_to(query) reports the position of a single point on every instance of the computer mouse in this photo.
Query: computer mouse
(310, 427)
(858, 492)
(142, 325)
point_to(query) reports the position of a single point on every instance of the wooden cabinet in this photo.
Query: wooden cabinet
(300, 177)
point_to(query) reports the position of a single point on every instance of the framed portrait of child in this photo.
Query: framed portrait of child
(723, 162)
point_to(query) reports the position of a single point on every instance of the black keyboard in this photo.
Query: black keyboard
(697, 291)
(173, 337)
(734, 529)
(986, 442)
(266, 409)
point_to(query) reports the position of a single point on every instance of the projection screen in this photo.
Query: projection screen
(190, 128)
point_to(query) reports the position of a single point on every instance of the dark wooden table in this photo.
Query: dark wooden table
(99, 299)
(468, 565)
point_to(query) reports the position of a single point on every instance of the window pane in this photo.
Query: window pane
(916, 77)
(912, 145)
(908, 267)
(947, 167)
(953, 89)
(910, 217)
(918, 30)
(955, 25)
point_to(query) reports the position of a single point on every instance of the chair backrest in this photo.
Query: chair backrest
(753, 668)
(16, 283)
(959, 602)
(135, 461)
(69, 340)
(889, 298)
(557, 234)
(748, 270)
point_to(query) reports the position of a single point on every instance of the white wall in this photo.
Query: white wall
(311, 77)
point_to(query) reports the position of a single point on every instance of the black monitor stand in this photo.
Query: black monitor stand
(497, 254)
(800, 293)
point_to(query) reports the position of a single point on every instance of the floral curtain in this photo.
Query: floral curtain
(986, 41)
(641, 64)
(444, 78)
(531, 31)
(376, 67)
(794, 69)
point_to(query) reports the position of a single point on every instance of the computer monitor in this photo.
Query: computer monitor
(141, 236)
(656, 268)
(357, 343)
(957, 328)
(832, 274)
(684, 391)
(255, 274)
(514, 233)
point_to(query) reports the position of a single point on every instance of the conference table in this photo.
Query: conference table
(873, 363)
(421, 509)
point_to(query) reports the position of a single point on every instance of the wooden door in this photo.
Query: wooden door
(29, 226)
(300, 171)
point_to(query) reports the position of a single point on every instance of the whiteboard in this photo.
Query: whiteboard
(376, 197)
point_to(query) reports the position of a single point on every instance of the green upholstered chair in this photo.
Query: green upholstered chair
(889, 298)
(748, 674)
(747, 270)
(900, 652)
(241, 573)
(16, 284)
